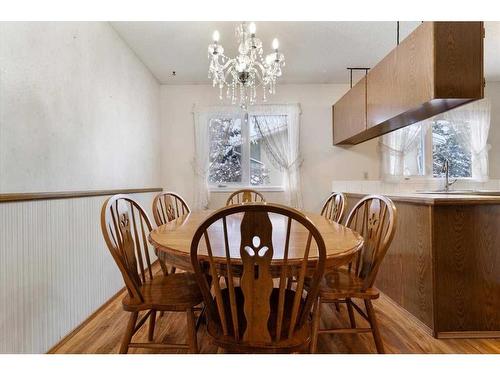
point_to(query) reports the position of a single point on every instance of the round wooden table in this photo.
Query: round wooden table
(172, 241)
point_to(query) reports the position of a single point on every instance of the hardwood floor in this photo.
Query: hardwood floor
(401, 334)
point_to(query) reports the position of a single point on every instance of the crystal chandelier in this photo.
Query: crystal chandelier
(243, 74)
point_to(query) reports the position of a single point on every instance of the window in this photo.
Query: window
(451, 143)
(439, 142)
(414, 158)
(225, 151)
(459, 136)
(238, 154)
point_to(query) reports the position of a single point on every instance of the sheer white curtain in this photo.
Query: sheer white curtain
(201, 160)
(396, 145)
(282, 147)
(474, 121)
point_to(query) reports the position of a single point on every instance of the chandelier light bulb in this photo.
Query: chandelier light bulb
(276, 43)
(216, 36)
(252, 28)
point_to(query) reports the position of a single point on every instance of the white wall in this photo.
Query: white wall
(78, 110)
(322, 161)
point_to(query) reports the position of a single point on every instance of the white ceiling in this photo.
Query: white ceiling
(315, 52)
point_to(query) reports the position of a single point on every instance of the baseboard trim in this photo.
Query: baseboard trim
(469, 335)
(445, 335)
(410, 316)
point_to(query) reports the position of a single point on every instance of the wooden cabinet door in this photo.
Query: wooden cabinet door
(459, 60)
(437, 67)
(349, 113)
(403, 80)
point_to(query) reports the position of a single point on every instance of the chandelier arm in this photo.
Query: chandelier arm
(229, 69)
(221, 64)
(258, 75)
(228, 62)
(261, 78)
(261, 66)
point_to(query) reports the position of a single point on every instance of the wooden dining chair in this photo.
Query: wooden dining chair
(374, 218)
(168, 206)
(250, 314)
(125, 227)
(245, 196)
(333, 209)
(334, 206)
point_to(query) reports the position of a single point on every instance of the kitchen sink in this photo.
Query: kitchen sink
(461, 192)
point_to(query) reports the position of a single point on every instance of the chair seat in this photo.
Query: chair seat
(341, 283)
(298, 341)
(175, 292)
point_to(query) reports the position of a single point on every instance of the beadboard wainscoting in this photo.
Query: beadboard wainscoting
(55, 269)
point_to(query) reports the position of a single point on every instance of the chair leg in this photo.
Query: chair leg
(337, 306)
(315, 327)
(351, 313)
(128, 333)
(374, 326)
(163, 267)
(165, 273)
(152, 321)
(191, 328)
(201, 318)
(172, 270)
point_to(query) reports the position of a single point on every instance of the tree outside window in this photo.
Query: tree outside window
(237, 154)
(449, 143)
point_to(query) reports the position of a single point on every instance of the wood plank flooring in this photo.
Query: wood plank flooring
(401, 334)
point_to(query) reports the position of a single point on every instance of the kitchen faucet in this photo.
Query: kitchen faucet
(446, 170)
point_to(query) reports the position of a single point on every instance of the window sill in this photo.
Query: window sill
(429, 178)
(231, 189)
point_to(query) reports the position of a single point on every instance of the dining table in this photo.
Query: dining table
(172, 241)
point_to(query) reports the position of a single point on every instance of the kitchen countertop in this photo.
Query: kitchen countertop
(437, 199)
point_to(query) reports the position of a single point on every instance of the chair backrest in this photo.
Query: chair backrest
(253, 241)
(334, 207)
(374, 218)
(125, 227)
(168, 206)
(245, 196)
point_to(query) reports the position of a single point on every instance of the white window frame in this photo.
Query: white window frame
(428, 162)
(245, 159)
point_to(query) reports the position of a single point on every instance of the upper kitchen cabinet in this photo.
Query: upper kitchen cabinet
(436, 68)
(350, 113)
